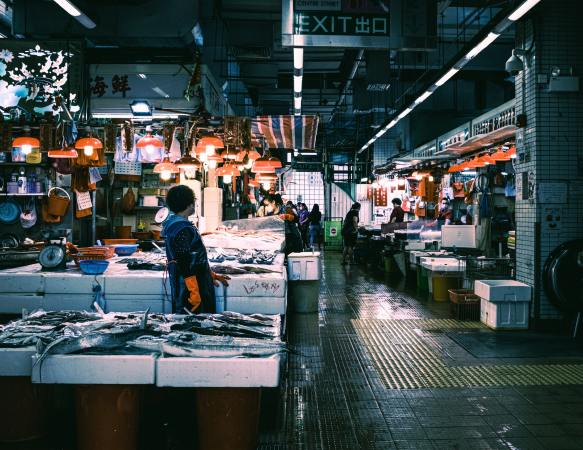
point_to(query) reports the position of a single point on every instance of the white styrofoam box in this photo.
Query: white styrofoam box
(16, 362)
(303, 266)
(252, 305)
(24, 282)
(95, 369)
(149, 200)
(116, 303)
(15, 303)
(135, 282)
(415, 245)
(254, 285)
(504, 315)
(502, 290)
(442, 264)
(218, 372)
(211, 223)
(71, 283)
(461, 236)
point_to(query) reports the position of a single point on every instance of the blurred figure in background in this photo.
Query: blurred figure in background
(350, 233)
(397, 215)
(303, 222)
(315, 223)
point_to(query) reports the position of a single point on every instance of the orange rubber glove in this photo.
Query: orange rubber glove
(194, 294)
(217, 279)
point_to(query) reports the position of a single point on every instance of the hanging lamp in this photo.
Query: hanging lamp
(88, 144)
(487, 160)
(475, 163)
(26, 143)
(500, 156)
(253, 154)
(166, 168)
(149, 142)
(253, 183)
(453, 169)
(188, 162)
(511, 154)
(266, 164)
(213, 160)
(208, 145)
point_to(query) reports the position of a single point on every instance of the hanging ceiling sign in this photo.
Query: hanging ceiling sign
(403, 24)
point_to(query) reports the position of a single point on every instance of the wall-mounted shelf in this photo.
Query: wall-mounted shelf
(39, 194)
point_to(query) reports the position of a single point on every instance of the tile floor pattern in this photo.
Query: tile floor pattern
(335, 398)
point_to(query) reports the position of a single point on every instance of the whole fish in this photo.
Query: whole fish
(211, 324)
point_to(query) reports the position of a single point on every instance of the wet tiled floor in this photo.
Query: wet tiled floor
(336, 395)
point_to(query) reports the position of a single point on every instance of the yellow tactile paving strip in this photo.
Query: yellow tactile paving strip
(404, 359)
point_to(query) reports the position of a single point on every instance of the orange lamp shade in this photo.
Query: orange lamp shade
(187, 162)
(165, 166)
(63, 153)
(205, 144)
(220, 172)
(149, 141)
(475, 163)
(88, 142)
(254, 155)
(253, 183)
(266, 178)
(26, 140)
(241, 155)
(499, 155)
(266, 164)
(453, 169)
(511, 154)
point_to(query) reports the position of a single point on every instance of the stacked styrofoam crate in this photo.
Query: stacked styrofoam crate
(20, 290)
(504, 304)
(213, 208)
(304, 273)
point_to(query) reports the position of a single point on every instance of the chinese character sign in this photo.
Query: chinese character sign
(119, 85)
(325, 23)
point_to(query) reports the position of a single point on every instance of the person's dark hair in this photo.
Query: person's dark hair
(396, 201)
(356, 205)
(445, 200)
(289, 203)
(179, 198)
(278, 200)
(316, 208)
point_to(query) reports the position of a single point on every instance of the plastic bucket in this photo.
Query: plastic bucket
(24, 416)
(422, 284)
(228, 418)
(57, 205)
(107, 416)
(441, 287)
(389, 264)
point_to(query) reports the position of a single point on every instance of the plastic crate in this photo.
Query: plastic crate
(464, 304)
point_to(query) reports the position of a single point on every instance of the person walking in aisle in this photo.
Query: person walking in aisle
(350, 233)
(304, 213)
(315, 220)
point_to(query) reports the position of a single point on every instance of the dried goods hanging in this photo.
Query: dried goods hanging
(128, 202)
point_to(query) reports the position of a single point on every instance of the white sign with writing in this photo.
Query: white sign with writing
(317, 5)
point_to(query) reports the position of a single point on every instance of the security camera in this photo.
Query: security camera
(515, 64)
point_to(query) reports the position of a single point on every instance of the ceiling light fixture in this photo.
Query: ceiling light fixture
(75, 12)
(298, 83)
(298, 58)
(149, 142)
(141, 108)
(497, 30)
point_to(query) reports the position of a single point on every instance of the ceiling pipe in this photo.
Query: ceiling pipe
(357, 61)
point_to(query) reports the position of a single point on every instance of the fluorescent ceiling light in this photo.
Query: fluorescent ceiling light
(69, 7)
(160, 92)
(105, 115)
(298, 102)
(141, 108)
(482, 45)
(423, 97)
(297, 83)
(86, 21)
(142, 76)
(404, 113)
(446, 77)
(364, 180)
(298, 58)
(289, 157)
(523, 9)
(309, 154)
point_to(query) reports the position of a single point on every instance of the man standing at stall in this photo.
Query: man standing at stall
(350, 233)
(191, 278)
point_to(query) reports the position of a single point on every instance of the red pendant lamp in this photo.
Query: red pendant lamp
(511, 153)
(26, 144)
(213, 160)
(89, 144)
(487, 160)
(453, 169)
(253, 183)
(475, 163)
(266, 164)
(149, 142)
(209, 145)
(166, 168)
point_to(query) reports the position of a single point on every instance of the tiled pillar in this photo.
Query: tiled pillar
(550, 147)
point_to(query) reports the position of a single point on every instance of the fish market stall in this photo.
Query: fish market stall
(250, 257)
(107, 357)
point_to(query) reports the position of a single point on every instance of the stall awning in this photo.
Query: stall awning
(287, 132)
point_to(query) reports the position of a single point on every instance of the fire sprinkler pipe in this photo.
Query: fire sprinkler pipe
(357, 61)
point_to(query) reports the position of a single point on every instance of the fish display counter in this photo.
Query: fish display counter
(107, 357)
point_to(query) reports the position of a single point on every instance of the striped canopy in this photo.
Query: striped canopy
(287, 132)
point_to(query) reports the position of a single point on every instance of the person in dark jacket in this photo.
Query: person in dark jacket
(350, 233)
(315, 222)
(304, 225)
(191, 279)
(293, 239)
(397, 215)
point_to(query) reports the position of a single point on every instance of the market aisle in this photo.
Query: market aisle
(336, 395)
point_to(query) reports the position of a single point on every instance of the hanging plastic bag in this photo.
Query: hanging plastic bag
(174, 152)
(28, 216)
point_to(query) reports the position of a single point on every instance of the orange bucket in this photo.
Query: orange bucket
(57, 204)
